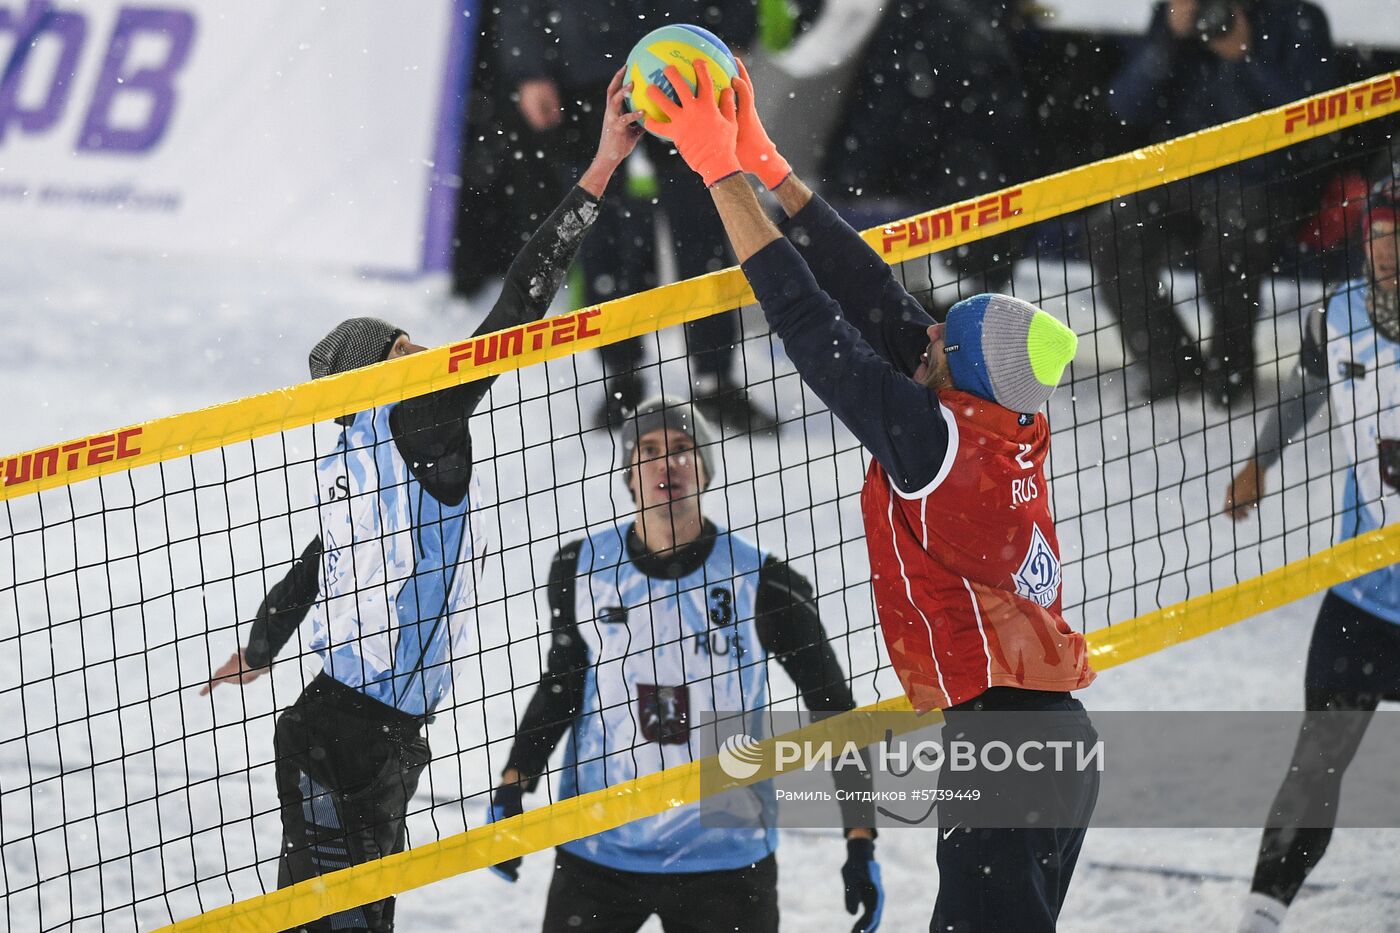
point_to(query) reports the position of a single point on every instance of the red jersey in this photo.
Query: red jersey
(966, 571)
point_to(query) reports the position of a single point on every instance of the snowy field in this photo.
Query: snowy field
(147, 787)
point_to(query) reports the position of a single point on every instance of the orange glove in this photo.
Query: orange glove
(755, 150)
(702, 130)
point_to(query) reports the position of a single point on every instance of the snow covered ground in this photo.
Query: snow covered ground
(88, 343)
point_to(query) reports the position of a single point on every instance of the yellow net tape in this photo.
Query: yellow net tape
(1008, 209)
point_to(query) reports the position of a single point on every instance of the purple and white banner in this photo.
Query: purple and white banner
(323, 133)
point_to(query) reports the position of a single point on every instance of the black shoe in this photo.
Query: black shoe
(1234, 387)
(732, 410)
(1162, 382)
(624, 393)
(1226, 384)
(1175, 374)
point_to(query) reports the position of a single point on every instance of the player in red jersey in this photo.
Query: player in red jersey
(964, 559)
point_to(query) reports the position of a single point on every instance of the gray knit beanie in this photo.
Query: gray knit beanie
(667, 411)
(353, 343)
(359, 341)
(1007, 351)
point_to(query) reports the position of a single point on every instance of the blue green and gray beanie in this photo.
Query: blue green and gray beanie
(1007, 351)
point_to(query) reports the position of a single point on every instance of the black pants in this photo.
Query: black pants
(1353, 664)
(586, 897)
(1222, 229)
(347, 767)
(1013, 880)
(618, 256)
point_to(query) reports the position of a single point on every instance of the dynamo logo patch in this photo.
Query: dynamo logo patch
(1038, 578)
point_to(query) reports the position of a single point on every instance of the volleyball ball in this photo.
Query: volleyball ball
(680, 46)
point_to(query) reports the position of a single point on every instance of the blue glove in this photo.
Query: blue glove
(861, 875)
(505, 803)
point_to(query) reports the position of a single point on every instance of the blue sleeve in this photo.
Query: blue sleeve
(1299, 65)
(899, 421)
(525, 43)
(890, 319)
(1133, 93)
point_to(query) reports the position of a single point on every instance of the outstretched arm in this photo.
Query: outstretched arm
(890, 319)
(1303, 395)
(849, 270)
(436, 423)
(747, 226)
(899, 421)
(281, 612)
(538, 270)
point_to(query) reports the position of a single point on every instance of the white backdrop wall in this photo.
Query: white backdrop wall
(296, 131)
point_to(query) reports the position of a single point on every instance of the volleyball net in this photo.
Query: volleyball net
(135, 561)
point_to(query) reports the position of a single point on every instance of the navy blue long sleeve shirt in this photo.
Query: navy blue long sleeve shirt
(855, 336)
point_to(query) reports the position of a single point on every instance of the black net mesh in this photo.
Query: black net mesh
(131, 799)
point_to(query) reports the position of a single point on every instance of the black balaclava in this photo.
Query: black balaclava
(356, 342)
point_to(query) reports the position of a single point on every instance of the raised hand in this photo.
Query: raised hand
(754, 147)
(233, 671)
(620, 127)
(703, 130)
(621, 130)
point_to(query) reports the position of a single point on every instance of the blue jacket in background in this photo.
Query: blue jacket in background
(1169, 86)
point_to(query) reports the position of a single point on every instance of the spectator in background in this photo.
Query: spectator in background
(937, 115)
(559, 55)
(1204, 62)
(498, 192)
